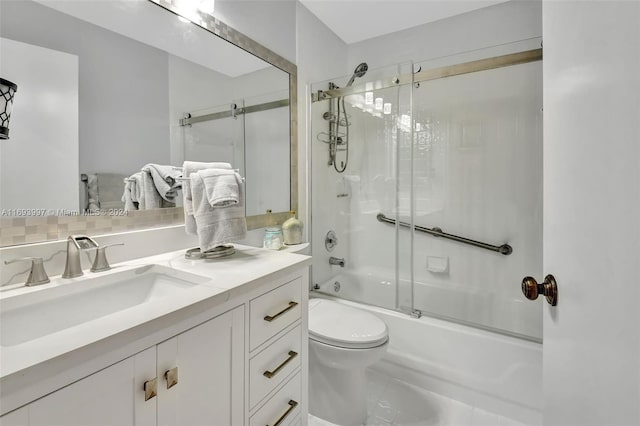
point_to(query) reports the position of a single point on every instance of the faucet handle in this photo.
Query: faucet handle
(100, 263)
(37, 275)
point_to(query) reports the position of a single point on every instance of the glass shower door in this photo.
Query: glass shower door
(349, 203)
(477, 174)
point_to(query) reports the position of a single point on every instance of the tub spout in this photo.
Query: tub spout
(336, 261)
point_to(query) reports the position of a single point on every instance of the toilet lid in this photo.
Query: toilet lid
(340, 325)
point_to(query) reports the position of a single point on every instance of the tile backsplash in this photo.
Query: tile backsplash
(27, 230)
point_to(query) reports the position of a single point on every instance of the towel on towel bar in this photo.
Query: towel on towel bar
(189, 167)
(221, 186)
(129, 193)
(216, 225)
(164, 179)
(151, 196)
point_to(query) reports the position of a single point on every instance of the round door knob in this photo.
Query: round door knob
(548, 288)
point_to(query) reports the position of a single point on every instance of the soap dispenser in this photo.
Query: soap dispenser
(292, 230)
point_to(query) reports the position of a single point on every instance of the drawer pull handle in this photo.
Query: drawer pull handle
(150, 388)
(269, 374)
(171, 376)
(292, 305)
(292, 406)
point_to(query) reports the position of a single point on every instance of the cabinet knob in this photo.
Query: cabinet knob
(171, 376)
(548, 288)
(150, 388)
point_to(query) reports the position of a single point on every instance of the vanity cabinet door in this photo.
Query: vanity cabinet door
(201, 374)
(112, 396)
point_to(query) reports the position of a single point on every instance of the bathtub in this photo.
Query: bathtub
(491, 371)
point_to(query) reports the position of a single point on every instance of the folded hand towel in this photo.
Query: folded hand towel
(189, 167)
(164, 179)
(221, 187)
(215, 225)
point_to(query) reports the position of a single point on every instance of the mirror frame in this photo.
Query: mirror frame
(33, 228)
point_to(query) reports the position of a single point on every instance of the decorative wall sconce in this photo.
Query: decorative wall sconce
(7, 90)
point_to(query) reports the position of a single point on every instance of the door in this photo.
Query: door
(201, 374)
(592, 212)
(112, 396)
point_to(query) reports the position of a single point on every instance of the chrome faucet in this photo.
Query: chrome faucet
(75, 244)
(336, 261)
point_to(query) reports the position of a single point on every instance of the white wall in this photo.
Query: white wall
(487, 27)
(321, 54)
(43, 138)
(591, 212)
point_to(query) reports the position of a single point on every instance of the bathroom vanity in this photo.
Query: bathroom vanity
(160, 340)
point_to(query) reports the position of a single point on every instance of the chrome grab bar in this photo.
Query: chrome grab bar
(505, 249)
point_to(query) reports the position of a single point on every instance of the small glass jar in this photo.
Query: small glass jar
(273, 238)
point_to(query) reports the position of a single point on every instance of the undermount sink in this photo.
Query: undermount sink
(53, 308)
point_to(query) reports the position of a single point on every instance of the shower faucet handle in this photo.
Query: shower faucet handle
(100, 263)
(330, 240)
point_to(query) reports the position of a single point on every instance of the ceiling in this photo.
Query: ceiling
(357, 20)
(147, 23)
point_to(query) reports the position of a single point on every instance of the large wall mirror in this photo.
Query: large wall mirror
(106, 88)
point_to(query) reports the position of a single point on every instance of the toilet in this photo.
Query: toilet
(343, 342)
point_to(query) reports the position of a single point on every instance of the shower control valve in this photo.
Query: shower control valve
(330, 241)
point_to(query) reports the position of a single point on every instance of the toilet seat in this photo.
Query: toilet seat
(340, 325)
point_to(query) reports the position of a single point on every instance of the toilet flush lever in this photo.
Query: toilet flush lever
(548, 288)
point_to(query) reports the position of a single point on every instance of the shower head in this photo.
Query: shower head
(358, 72)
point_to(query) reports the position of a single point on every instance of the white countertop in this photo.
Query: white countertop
(228, 277)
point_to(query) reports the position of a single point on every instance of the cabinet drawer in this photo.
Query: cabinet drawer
(271, 366)
(283, 408)
(273, 311)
